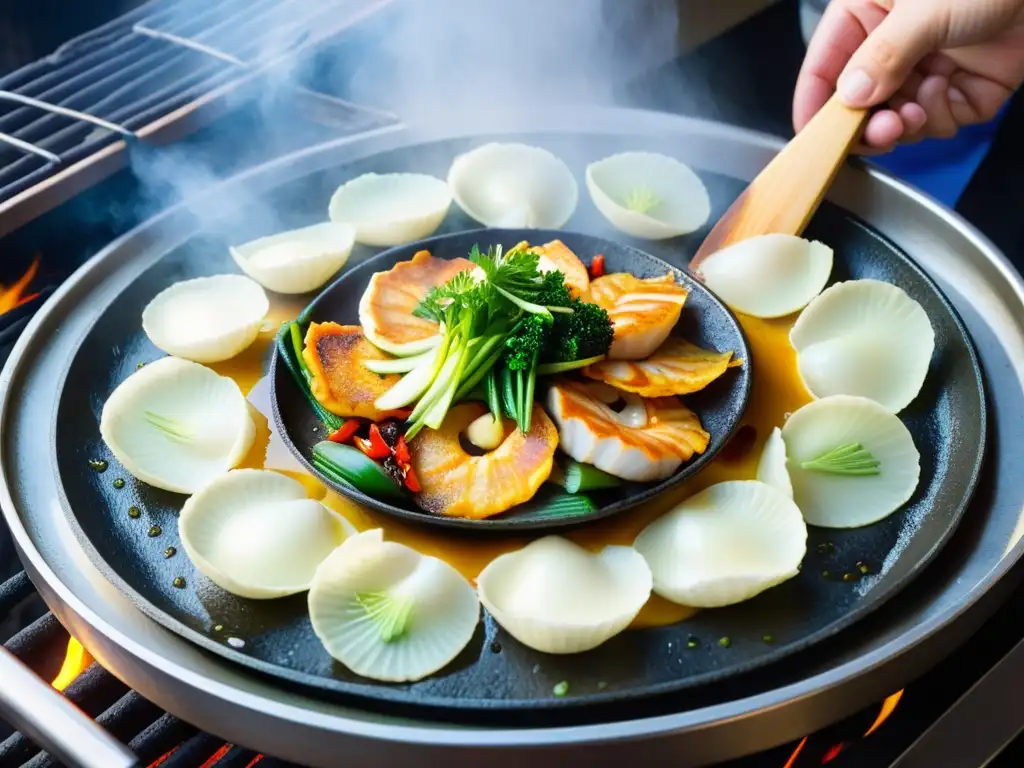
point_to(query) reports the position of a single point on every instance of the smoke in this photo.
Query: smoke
(430, 62)
(441, 60)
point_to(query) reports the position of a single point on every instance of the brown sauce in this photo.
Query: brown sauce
(778, 392)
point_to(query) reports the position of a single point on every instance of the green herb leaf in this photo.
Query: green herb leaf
(391, 615)
(846, 459)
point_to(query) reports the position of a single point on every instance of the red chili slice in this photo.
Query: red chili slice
(380, 447)
(402, 455)
(345, 432)
(597, 267)
(411, 481)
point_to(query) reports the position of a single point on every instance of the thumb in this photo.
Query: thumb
(886, 58)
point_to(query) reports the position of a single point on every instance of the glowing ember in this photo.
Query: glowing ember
(796, 753)
(888, 707)
(833, 752)
(75, 661)
(215, 758)
(15, 295)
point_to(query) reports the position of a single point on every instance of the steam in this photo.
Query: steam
(436, 61)
(430, 62)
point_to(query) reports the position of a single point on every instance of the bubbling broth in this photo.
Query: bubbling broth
(778, 392)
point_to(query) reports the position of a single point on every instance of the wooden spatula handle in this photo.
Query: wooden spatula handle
(788, 191)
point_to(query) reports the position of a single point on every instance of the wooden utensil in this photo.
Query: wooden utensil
(787, 192)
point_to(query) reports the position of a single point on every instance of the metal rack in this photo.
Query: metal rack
(152, 75)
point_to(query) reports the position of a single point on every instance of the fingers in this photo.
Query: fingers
(878, 68)
(838, 35)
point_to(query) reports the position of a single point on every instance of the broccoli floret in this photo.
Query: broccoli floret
(587, 332)
(523, 347)
(552, 291)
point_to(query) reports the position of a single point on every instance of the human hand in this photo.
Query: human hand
(936, 65)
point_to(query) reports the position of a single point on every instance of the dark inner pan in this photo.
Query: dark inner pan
(705, 321)
(947, 421)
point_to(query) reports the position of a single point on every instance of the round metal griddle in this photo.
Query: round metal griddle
(745, 713)
(705, 321)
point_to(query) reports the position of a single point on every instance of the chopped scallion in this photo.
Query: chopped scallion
(846, 459)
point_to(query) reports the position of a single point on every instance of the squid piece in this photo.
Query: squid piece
(646, 440)
(643, 312)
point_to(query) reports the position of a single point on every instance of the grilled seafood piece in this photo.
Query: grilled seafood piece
(334, 355)
(647, 440)
(677, 367)
(385, 310)
(643, 312)
(456, 484)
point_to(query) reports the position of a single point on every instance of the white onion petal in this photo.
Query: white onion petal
(648, 195)
(724, 545)
(865, 338)
(771, 468)
(769, 275)
(207, 319)
(513, 185)
(836, 500)
(389, 613)
(177, 425)
(257, 534)
(391, 208)
(298, 261)
(556, 597)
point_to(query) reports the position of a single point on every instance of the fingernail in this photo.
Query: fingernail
(856, 87)
(956, 95)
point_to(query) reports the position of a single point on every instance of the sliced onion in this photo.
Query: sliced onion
(864, 338)
(391, 208)
(207, 319)
(648, 195)
(513, 185)
(177, 425)
(389, 613)
(769, 275)
(832, 496)
(256, 533)
(556, 597)
(724, 545)
(771, 469)
(298, 261)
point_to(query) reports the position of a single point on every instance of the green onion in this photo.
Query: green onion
(397, 364)
(547, 369)
(286, 350)
(355, 468)
(642, 199)
(526, 306)
(531, 388)
(391, 615)
(565, 505)
(170, 427)
(508, 397)
(493, 398)
(577, 477)
(296, 333)
(847, 459)
(483, 369)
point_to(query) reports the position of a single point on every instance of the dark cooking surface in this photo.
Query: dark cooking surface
(946, 420)
(720, 88)
(705, 321)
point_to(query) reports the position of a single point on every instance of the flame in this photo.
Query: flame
(796, 753)
(833, 752)
(888, 707)
(76, 659)
(15, 295)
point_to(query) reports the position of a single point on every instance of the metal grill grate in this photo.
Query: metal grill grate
(150, 75)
